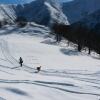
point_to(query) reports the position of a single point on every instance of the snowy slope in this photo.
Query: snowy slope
(56, 12)
(78, 9)
(7, 12)
(65, 74)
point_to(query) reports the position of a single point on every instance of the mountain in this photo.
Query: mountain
(92, 19)
(45, 12)
(78, 9)
(42, 12)
(7, 12)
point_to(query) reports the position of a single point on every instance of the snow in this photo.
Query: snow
(7, 12)
(65, 74)
(56, 14)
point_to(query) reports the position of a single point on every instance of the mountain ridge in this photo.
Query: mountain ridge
(78, 9)
(40, 11)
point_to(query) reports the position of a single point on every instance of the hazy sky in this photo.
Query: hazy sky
(22, 1)
(14, 1)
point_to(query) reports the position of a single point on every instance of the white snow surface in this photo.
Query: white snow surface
(66, 74)
(57, 15)
(7, 12)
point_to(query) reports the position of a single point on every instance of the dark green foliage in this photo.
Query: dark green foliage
(3, 22)
(21, 21)
(0, 24)
(57, 30)
(81, 35)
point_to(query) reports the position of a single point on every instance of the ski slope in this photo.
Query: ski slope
(66, 74)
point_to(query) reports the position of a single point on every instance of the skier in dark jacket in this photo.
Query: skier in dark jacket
(20, 61)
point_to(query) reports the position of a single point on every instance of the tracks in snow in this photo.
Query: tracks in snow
(9, 58)
(6, 53)
(51, 85)
(65, 87)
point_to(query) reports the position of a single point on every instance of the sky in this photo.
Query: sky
(14, 1)
(21, 1)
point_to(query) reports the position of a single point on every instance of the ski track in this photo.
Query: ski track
(6, 53)
(47, 84)
(50, 72)
(10, 58)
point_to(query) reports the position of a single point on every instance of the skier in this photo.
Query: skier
(20, 61)
(38, 69)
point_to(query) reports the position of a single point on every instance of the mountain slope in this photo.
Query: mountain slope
(42, 12)
(65, 73)
(78, 9)
(92, 20)
(7, 12)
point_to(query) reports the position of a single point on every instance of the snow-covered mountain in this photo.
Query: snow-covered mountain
(7, 12)
(40, 11)
(43, 12)
(65, 72)
(46, 12)
(78, 9)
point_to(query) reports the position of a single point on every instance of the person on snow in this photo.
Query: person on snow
(38, 68)
(21, 61)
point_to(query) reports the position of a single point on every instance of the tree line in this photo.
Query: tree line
(79, 34)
